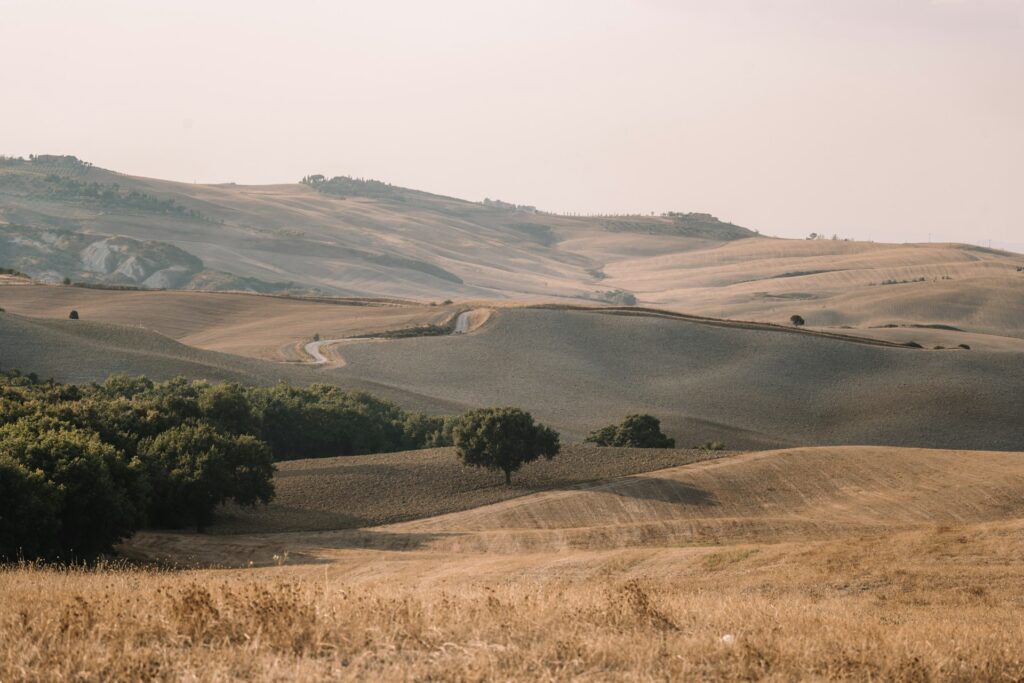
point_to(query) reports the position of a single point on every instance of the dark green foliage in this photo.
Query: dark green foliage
(503, 439)
(194, 468)
(29, 512)
(322, 420)
(429, 431)
(345, 186)
(797, 320)
(636, 431)
(82, 467)
(73, 315)
(64, 187)
(100, 495)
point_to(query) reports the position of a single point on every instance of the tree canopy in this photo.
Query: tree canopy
(635, 431)
(503, 439)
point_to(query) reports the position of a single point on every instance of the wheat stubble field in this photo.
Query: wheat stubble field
(811, 564)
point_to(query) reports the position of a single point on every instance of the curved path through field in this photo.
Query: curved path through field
(313, 348)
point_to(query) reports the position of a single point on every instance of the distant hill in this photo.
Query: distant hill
(64, 218)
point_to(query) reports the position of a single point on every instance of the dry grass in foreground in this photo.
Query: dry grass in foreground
(934, 605)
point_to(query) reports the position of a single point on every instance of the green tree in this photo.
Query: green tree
(635, 431)
(503, 439)
(797, 320)
(29, 513)
(102, 494)
(228, 407)
(194, 468)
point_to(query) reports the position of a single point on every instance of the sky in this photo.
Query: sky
(890, 120)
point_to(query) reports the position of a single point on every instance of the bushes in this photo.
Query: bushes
(193, 468)
(635, 431)
(83, 467)
(796, 320)
(88, 494)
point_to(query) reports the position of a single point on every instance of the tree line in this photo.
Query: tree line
(83, 467)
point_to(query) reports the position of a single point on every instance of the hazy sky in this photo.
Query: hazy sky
(878, 119)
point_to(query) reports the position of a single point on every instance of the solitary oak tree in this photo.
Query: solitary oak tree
(503, 439)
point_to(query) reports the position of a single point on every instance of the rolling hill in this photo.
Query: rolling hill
(751, 386)
(60, 217)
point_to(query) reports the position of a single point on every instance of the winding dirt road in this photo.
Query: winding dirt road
(313, 348)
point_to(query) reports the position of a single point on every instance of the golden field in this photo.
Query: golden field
(818, 564)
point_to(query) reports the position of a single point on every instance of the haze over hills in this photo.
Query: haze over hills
(60, 217)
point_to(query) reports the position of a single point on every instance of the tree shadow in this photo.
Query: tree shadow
(661, 490)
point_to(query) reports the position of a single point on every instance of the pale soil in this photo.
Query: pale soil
(265, 327)
(746, 386)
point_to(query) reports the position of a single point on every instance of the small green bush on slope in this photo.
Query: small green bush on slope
(635, 431)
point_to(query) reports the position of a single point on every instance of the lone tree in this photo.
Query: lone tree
(73, 315)
(636, 431)
(503, 439)
(796, 320)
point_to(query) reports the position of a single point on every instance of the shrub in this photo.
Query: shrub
(194, 468)
(503, 439)
(966, 347)
(635, 431)
(797, 320)
(711, 446)
(429, 431)
(73, 315)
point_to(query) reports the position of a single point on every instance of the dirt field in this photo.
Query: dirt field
(749, 387)
(265, 327)
(858, 563)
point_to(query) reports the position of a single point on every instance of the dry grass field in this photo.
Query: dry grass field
(266, 327)
(367, 490)
(849, 563)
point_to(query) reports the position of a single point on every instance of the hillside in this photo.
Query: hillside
(750, 386)
(798, 496)
(367, 490)
(60, 217)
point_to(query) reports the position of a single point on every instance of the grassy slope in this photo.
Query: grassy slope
(888, 564)
(366, 490)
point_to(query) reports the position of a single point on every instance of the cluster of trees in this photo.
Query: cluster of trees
(83, 467)
(635, 431)
(345, 186)
(64, 187)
